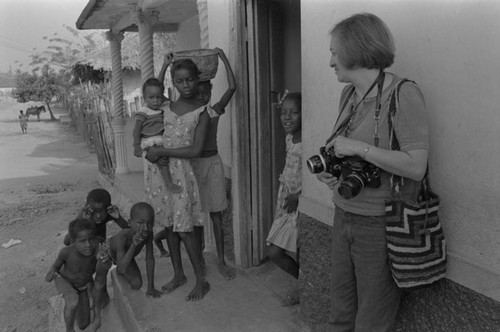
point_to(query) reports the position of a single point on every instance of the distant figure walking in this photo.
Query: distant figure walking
(23, 121)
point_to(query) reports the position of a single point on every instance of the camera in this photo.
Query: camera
(325, 161)
(356, 173)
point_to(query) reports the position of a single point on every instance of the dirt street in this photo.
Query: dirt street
(44, 178)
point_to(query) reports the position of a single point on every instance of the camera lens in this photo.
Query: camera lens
(351, 186)
(316, 164)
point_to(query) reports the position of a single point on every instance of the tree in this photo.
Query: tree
(43, 87)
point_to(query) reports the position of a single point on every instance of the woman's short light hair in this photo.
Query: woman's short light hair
(364, 41)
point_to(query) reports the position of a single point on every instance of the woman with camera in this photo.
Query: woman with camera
(364, 296)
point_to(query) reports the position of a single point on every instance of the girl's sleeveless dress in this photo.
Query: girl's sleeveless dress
(180, 210)
(284, 230)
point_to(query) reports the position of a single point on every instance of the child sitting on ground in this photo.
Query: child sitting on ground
(100, 211)
(149, 127)
(121, 249)
(72, 272)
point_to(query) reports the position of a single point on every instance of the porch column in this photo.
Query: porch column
(118, 121)
(145, 25)
(203, 19)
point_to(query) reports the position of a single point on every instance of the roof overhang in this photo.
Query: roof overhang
(121, 15)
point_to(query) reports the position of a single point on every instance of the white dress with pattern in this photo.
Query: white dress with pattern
(284, 232)
(180, 210)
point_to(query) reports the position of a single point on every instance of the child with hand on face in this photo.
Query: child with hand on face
(149, 128)
(72, 272)
(100, 211)
(282, 236)
(121, 249)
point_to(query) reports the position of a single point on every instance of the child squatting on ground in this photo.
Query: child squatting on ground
(121, 249)
(282, 236)
(149, 128)
(72, 273)
(100, 211)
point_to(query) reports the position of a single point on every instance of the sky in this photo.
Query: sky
(24, 23)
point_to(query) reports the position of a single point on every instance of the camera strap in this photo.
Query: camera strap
(343, 126)
(378, 106)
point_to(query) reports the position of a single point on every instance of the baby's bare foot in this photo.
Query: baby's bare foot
(198, 292)
(227, 272)
(173, 284)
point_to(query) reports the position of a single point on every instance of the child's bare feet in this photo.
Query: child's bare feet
(164, 254)
(173, 188)
(226, 271)
(199, 291)
(173, 284)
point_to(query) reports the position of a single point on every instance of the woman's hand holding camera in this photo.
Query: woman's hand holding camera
(344, 146)
(327, 179)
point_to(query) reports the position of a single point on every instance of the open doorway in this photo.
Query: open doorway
(274, 64)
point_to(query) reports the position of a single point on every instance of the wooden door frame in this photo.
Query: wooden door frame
(260, 126)
(240, 134)
(252, 210)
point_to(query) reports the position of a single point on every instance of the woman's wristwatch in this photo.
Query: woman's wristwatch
(365, 151)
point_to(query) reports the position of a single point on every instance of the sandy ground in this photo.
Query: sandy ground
(44, 178)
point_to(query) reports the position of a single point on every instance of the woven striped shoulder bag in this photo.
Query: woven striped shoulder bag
(415, 239)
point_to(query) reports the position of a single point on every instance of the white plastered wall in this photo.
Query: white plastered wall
(451, 49)
(188, 34)
(219, 29)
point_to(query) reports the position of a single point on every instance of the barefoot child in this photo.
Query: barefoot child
(186, 123)
(208, 169)
(121, 249)
(100, 211)
(149, 128)
(282, 236)
(72, 272)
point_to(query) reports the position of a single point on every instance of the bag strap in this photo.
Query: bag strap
(396, 180)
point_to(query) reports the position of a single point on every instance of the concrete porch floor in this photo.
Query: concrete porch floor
(250, 302)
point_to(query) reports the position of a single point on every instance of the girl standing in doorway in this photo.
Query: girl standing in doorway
(282, 238)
